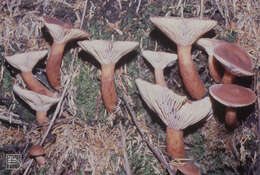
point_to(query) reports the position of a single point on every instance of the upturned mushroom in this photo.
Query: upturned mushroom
(184, 32)
(177, 112)
(108, 53)
(232, 96)
(25, 62)
(159, 60)
(37, 152)
(61, 33)
(40, 103)
(234, 59)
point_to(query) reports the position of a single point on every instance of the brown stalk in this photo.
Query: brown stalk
(108, 91)
(159, 77)
(54, 63)
(190, 76)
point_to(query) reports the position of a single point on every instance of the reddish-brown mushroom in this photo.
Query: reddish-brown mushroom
(61, 33)
(177, 113)
(108, 53)
(25, 62)
(235, 60)
(159, 60)
(37, 152)
(232, 96)
(40, 103)
(184, 32)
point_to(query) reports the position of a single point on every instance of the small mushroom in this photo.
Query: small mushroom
(108, 53)
(61, 33)
(40, 103)
(159, 60)
(232, 96)
(177, 112)
(37, 152)
(235, 60)
(184, 32)
(25, 62)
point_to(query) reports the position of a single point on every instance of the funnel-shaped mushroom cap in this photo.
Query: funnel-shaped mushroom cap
(232, 95)
(159, 59)
(63, 32)
(26, 61)
(209, 44)
(183, 31)
(175, 110)
(107, 52)
(34, 100)
(36, 150)
(234, 59)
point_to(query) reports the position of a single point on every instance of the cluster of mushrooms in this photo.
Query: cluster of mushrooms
(176, 111)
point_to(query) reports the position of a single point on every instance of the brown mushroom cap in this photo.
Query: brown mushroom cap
(159, 59)
(234, 59)
(36, 150)
(183, 31)
(36, 101)
(107, 52)
(63, 32)
(232, 95)
(26, 61)
(209, 44)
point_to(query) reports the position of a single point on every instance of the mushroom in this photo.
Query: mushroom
(235, 60)
(177, 113)
(61, 33)
(232, 96)
(184, 32)
(37, 152)
(40, 103)
(108, 53)
(159, 60)
(25, 63)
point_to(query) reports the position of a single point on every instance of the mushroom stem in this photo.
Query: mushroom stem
(191, 80)
(41, 117)
(159, 78)
(40, 160)
(107, 86)
(34, 85)
(213, 69)
(175, 145)
(231, 117)
(53, 64)
(227, 78)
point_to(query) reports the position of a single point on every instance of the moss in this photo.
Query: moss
(88, 90)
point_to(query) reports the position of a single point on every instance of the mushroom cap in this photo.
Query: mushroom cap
(107, 52)
(159, 59)
(232, 95)
(234, 59)
(183, 31)
(209, 44)
(63, 32)
(26, 61)
(36, 150)
(36, 101)
(174, 110)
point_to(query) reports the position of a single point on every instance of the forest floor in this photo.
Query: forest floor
(88, 140)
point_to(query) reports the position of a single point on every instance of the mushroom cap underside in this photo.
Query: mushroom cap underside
(183, 31)
(107, 52)
(26, 61)
(159, 60)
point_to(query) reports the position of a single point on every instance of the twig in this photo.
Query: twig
(11, 120)
(157, 153)
(123, 138)
(201, 8)
(84, 14)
